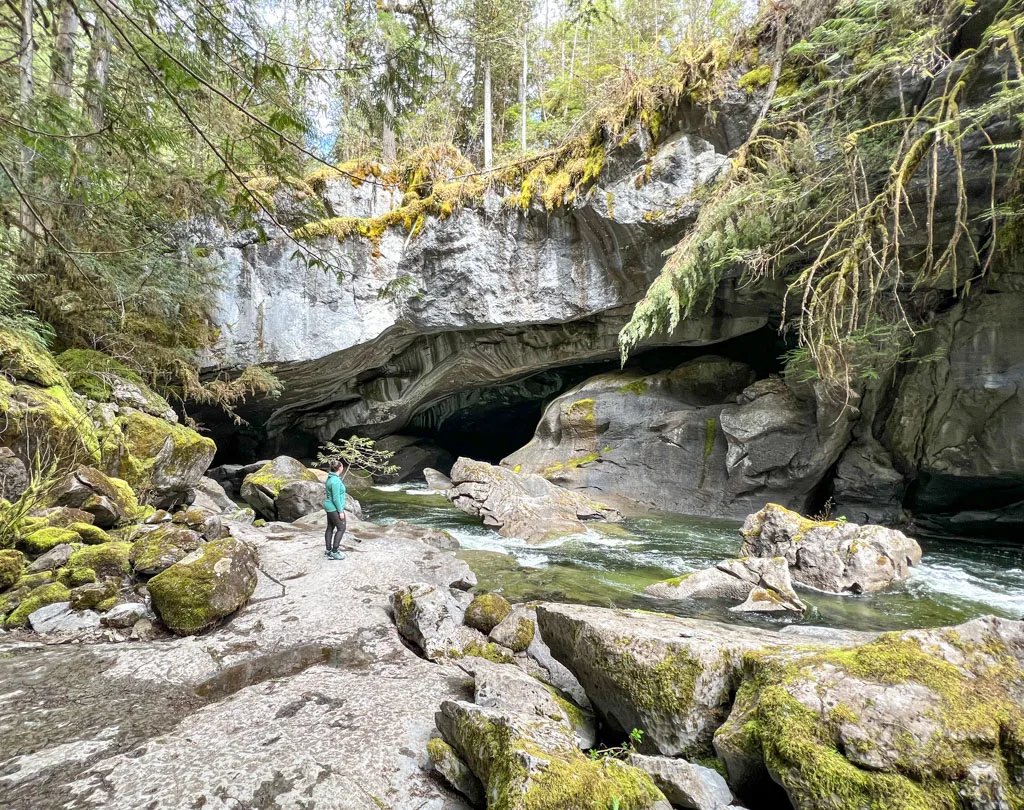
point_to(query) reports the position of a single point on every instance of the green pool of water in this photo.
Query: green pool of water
(955, 581)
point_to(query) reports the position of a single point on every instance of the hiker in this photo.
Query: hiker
(334, 503)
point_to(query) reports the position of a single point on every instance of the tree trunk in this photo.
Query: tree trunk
(26, 90)
(390, 146)
(96, 80)
(62, 58)
(488, 132)
(522, 94)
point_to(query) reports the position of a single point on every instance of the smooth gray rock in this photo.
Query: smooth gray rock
(523, 506)
(436, 480)
(125, 615)
(212, 496)
(60, 618)
(763, 584)
(56, 557)
(685, 784)
(509, 688)
(431, 618)
(831, 555)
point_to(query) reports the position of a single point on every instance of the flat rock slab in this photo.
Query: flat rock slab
(305, 699)
(60, 618)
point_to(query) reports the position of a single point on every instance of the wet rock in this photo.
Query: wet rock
(109, 500)
(125, 615)
(487, 611)
(517, 630)
(283, 489)
(523, 506)
(672, 678)
(509, 688)
(831, 555)
(205, 586)
(762, 584)
(436, 480)
(60, 618)
(438, 538)
(685, 784)
(431, 618)
(525, 761)
(12, 562)
(456, 772)
(907, 716)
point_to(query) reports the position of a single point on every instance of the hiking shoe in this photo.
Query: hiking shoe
(336, 555)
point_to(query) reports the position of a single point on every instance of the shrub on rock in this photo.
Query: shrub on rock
(205, 586)
(487, 611)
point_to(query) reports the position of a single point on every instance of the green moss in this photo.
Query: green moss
(488, 651)
(404, 605)
(580, 783)
(259, 522)
(106, 560)
(11, 563)
(38, 598)
(666, 686)
(671, 583)
(107, 604)
(577, 717)
(635, 387)
(523, 636)
(73, 577)
(710, 426)
(439, 750)
(24, 359)
(268, 479)
(714, 763)
(94, 374)
(48, 418)
(42, 540)
(88, 596)
(581, 411)
(31, 581)
(755, 79)
(93, 535)
(487, 611)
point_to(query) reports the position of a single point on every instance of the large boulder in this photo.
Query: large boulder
(672, 678)
(208, 584)
(523, 506)
(161, 548)
(283, 489)
(110, 501)
(212, 496)
(762, 584)
(921, 719)
(531, 763)
(686, 784)
(831, 555)
(431, 616)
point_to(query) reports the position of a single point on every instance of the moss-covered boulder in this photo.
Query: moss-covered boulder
(93, 594)
(11, 564)
(432, 618)
(23, 359)
(93, 535)
(162, 548)
(105, 561)
(42, 540)
(921, 720)
(39, 597)
(63, 517)
(517, 630)
(160, 459)
(830, 555)
(48, 420)
(101, 378)
(283, 489)
(487, 611)
(204, 587)
(529, 763)
(110, 501)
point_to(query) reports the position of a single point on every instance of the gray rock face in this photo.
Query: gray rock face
(212, 496)
(685, 784)
(13, 475)
(523, 506)
(456, 772)
(60, 618)
(704, 438)
(829, 555)
(670, 677)
(436, 480)
(763, 584)
(517, 630)
(56, 557)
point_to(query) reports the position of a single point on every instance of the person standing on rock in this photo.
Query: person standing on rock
(334, 503)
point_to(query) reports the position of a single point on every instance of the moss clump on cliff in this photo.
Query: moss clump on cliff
(95, 374)
(11, 564)
(40, 597)
(42, 540)
(23, 359)
(487, 611)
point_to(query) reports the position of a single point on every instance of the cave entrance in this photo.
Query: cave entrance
(490, 423)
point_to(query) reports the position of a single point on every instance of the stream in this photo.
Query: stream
(611, 567)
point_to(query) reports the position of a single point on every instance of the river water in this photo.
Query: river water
(956, 581)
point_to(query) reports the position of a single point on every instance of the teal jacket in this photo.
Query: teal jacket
(335, 500)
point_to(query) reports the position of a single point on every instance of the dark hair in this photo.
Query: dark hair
(336, 465)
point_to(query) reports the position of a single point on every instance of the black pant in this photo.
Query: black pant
(335, 530)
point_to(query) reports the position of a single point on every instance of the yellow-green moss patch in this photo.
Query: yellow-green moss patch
(38, 598)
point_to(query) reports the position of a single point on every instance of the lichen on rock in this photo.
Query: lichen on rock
(487, 611)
